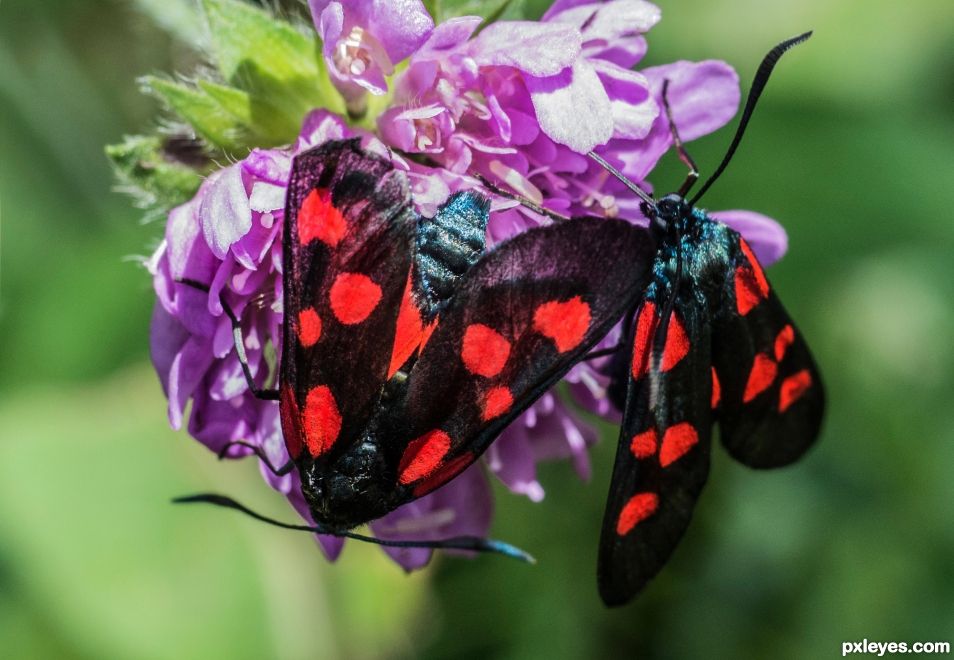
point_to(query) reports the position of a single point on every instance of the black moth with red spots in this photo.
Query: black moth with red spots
(403, 356)
(710, 343)
(729, 353)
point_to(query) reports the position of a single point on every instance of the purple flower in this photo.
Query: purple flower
(364, 39)
(228, 236)
(507, 104)
(518, 103)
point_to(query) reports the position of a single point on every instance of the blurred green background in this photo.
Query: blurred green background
(851, 149)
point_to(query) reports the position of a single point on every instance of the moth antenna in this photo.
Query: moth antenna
(684, 156)
(472, 543)
(761, 78)
(523, 201)
(625, 180)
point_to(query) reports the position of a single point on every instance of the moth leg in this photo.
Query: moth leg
(684, 156)
(533, 206)
(278, 472)
(257, 392)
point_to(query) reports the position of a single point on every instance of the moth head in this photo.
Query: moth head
(667, 211)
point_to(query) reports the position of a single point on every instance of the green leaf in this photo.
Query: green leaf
(213, 122)
(258, 125)
(144, 169)
(279, 67)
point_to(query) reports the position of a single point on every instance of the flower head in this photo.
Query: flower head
(519, 102)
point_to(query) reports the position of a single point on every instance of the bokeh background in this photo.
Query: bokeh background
(852, 149)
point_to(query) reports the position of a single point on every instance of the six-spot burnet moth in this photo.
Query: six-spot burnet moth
(710, 342)
(407, 348)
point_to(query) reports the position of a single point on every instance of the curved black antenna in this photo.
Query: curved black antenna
(472, 543)
(684, 156)
(639, 192)
(761, 78)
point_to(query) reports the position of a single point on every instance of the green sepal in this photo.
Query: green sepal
(219, 125)
(145, 171)
(280, 68)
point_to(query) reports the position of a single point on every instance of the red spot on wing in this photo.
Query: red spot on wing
(496, 402)
(321, 420)
(423, 456)
(784, 339)
(793, 388)
(677, 440)
(450, 470)
(484, 350)
(716, 389)
(677, 344)
(291, 421)
(755, 266)
(565, 322)
(353, 297)
(761, 376)
(318, 218)
(750, 283)
(643, 445)
(639, 507)
(309, 327)
(409, 333)
(645, 325)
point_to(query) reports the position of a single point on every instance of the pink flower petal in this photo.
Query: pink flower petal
(539, 49)
(573, 108)
(634, 108)
(224, 212)
(767, 237)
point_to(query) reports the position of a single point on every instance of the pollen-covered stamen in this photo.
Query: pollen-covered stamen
(427, 133)
(596, 197)
(359, 51)
(517, 181)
